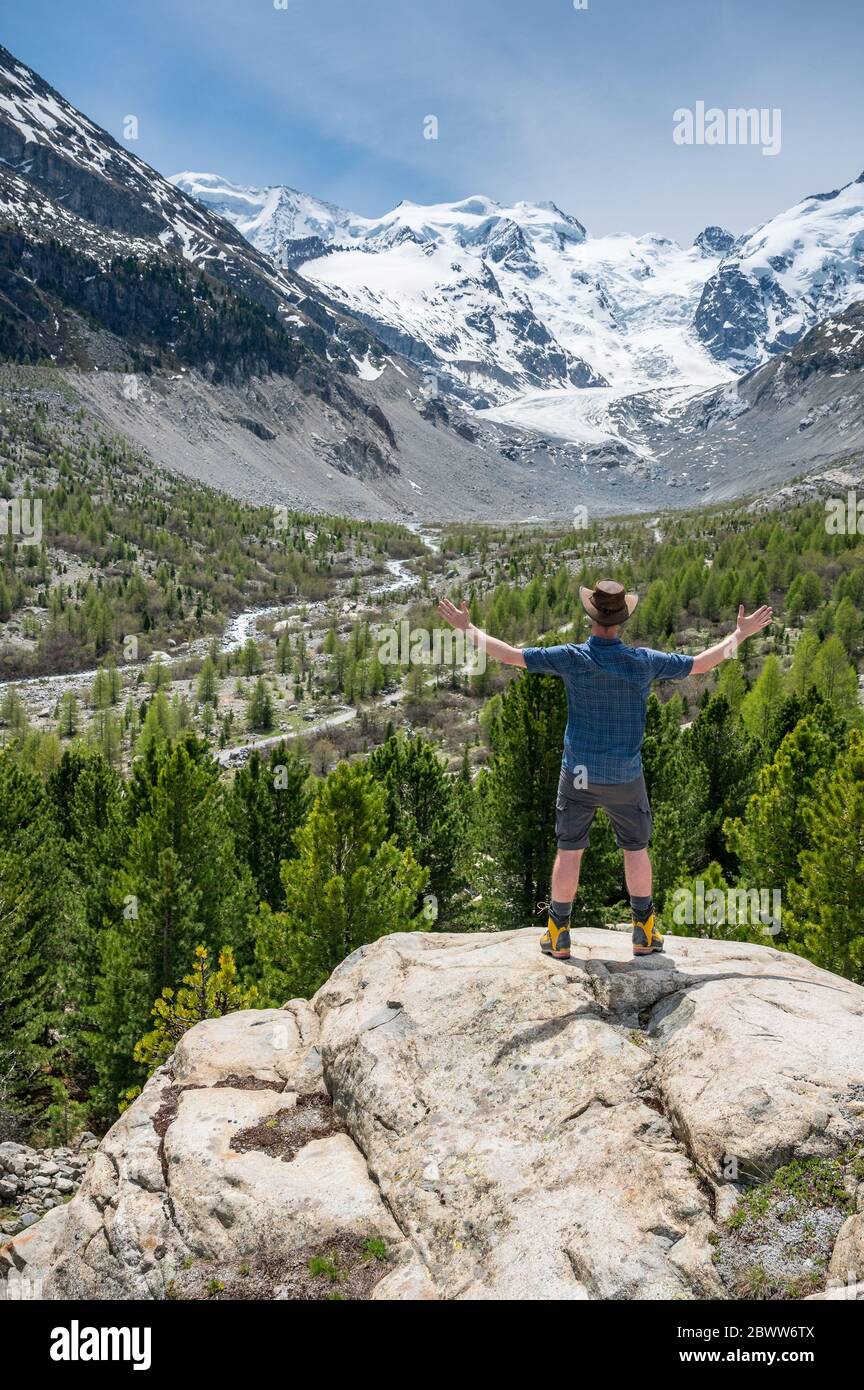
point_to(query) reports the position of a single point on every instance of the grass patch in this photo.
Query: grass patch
(374, 1249)
(323, 1267)
(777, 1242)
(345, 1270)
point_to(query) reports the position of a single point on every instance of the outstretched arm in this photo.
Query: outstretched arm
(460, 619)
(712, 656)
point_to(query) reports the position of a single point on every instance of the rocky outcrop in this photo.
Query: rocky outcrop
(714, 241)
(458, 1117)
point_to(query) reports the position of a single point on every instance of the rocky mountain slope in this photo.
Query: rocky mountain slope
(458, 1117)
(65, 180)
(465, 360)
(780, 279)
(110, 271)
(798, 413)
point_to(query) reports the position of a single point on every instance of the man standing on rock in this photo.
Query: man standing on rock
(607, 686)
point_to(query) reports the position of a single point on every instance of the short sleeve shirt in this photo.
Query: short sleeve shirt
(607, 686)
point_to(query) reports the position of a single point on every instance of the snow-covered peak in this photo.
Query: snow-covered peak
(470, 221)
(621, 305)
(786, 275)
(803, 243)
(271, 216)
(714, 241)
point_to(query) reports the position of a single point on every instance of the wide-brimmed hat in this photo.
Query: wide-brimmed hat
(607, 603)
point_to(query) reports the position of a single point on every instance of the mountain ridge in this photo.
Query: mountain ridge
(107, 270)
(517, 368)
(634, 313)
(495, 299)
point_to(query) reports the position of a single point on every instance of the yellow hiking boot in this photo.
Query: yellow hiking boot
(646, 937)
(555, 941)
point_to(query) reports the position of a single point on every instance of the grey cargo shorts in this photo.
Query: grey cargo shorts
(625, 803)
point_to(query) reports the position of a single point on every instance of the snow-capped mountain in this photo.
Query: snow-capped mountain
(64, 178)
(783, 277)
(282, 341)
(497, 301)
(520, 309)
(270, 217)
(246, 376)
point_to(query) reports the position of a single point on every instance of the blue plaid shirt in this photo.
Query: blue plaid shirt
(607, 687)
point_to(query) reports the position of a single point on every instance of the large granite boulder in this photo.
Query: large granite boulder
(459, 1117)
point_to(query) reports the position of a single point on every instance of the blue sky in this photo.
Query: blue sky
(534, 98)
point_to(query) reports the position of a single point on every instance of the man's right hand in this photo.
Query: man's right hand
(746, 626)
(712, 656)
(456, 617)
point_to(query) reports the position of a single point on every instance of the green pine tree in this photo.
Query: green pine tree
(267, 804)
(349, 885)
(421, 810)
(760, 704)
(180, 884)
(205, 993)
(38, 919)
(827, 905)
(773, 829)
(207, 689)
(259, 709)
(525, 766)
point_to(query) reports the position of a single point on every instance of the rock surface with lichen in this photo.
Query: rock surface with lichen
(459, 1117)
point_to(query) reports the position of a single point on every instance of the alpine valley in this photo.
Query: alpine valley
(466, 359)
(275, 840)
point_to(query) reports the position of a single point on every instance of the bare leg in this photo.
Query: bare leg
(637, 872)
(565, 874)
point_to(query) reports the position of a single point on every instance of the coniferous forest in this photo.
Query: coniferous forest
(212, 826)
